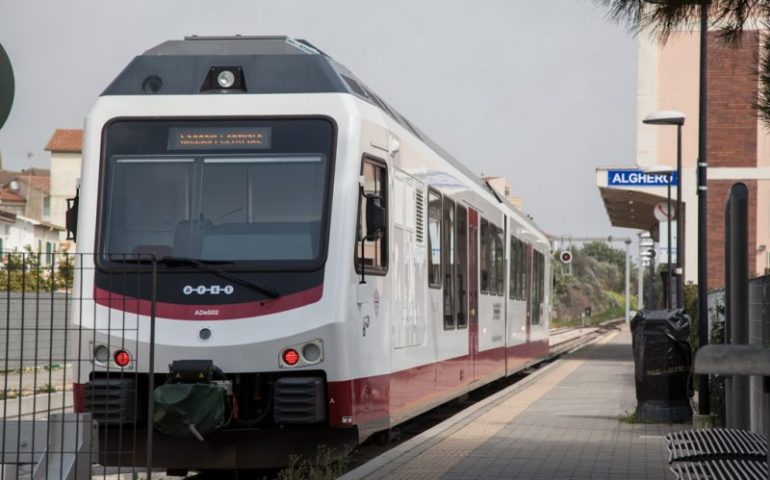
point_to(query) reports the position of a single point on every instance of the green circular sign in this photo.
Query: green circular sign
(6, 86)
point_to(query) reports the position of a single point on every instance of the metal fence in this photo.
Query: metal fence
(55, 336)
(759, 334)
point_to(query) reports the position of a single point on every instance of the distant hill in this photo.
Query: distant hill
(597, 281)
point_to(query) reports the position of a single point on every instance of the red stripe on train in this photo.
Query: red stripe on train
(177, 311)
(377, 402)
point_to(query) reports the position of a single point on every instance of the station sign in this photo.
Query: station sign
(635, 177)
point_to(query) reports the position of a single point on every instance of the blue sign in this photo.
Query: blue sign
(639, 178)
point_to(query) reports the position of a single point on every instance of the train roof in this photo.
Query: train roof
(183, 67)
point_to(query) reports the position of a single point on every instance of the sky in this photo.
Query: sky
(541, 92)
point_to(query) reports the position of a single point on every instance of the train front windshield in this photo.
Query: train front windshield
(252, 192)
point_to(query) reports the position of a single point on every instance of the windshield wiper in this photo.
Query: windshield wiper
(145, 259)
(209, 267)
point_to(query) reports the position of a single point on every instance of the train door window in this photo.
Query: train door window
(538, 287)
(522, 269)
(492, 259)
(448, 263)
(484, 260)
(499, 261)
(434, 239)
(375, 251)
(461, 267)
(512, 283)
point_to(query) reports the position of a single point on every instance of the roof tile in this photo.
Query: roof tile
(66, 140)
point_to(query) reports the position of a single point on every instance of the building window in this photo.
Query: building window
(48, 253)
(47, 206)
(434, 239)
(448, 263)
(375, 251)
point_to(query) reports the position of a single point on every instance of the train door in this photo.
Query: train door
(528, 269)
(473, 289)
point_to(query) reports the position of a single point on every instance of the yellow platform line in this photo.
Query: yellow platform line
(440, 458)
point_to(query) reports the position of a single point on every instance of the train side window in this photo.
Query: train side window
(500, 261)
(448, 263)
(434, 239)
(375, 251)
(484, 260)
(461, 267)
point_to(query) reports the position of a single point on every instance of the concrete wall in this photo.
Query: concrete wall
(33, 330)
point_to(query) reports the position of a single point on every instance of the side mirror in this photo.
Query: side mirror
(375, 217)
(71, 217)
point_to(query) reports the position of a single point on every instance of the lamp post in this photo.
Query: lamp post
(663, 169)
(672, 117)
(645, 243)
(704, 406)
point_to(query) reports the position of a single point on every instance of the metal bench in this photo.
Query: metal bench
(716, 444)
(723, 453)
(720, 469)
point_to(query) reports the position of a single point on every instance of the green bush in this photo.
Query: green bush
(27, 271)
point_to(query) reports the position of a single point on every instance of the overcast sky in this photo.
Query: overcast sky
(541, 92)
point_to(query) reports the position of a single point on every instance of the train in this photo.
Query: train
(278, 259)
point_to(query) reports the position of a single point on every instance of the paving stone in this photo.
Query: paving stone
(563, 425)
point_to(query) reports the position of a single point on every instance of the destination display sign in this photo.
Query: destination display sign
(235, 138)
(639, 178)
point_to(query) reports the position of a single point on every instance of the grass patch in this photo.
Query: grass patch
(325, 466)
(47, 388)
(633, 417)
(9, 394)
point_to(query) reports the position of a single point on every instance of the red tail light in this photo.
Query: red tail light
(290, 357)
(122, 358)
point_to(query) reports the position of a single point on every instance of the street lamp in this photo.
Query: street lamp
(645, 243)
(672, 117)
(669, 172)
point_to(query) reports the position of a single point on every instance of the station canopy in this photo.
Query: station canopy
(631, 194)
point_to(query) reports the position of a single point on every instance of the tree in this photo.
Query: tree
(604, 252)
(731, 17)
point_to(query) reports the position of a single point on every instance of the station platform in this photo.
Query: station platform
(569, 420)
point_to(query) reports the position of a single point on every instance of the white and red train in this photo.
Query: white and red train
(263, 176)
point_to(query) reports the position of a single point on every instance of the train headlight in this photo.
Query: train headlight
(226, 79)
(302, 354)
(311, 352)
(101, 354)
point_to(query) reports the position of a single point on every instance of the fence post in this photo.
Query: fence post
(151, 366)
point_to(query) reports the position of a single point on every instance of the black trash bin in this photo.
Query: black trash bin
(662, 360)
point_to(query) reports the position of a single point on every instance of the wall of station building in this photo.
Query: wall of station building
(738, 144)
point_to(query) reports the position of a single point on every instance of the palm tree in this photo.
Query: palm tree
(731, 17)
